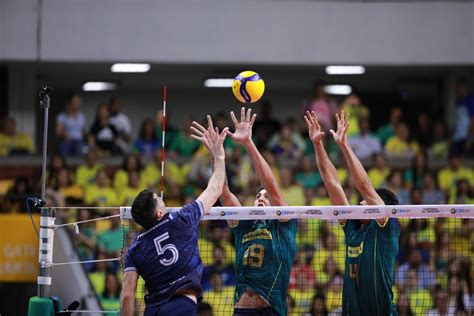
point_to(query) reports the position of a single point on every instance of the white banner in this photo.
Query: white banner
(331, 212)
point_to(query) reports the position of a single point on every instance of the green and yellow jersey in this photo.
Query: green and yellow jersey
(371, 251)
(265, 250)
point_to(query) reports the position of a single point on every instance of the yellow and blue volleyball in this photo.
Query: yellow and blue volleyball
(248, 87)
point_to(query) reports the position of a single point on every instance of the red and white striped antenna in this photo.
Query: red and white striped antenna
(163, 128)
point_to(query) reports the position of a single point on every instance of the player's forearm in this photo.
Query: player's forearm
(228, 198)
(127, 305)
(264, 173)
(326, 168)
(329, 175)
(359, 175)
(216, 182)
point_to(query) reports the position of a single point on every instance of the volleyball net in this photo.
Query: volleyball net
(434, 265)
(433, 271)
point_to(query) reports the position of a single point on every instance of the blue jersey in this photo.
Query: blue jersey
(371, 251)
(167, 255)
(265, 250)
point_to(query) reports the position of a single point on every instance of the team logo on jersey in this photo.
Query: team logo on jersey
(262, 233)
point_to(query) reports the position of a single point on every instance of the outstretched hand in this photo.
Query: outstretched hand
(210, 137)
(314, 129)
(340, 136)
(243, 129)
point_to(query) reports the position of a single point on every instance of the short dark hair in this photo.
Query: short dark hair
(260, 188)
(387, 196)
(143, 209)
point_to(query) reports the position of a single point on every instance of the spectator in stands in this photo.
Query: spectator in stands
(56, 164)
(293, 193)
(426, 276)
(464, 193)
(219, 266)
(183, 145)
(403, 305)
(98, 274)
(204, 309)
(291, 304)
(440, 146)
(419, 297)
(423, 133)
(379, 173)
(302, 266)
(86, 173)
(318, 306)
(218, 236)
(70, 128)
(302, 293)
(459, 299)
(396, 185)
(431, 193)
(400, 144)
(441, 254)
(110, 298)
(440, 307)
(363, 143)
(110, 241)
(265, 126)
(147, 141)
(101, 194)
(131, 163)
(414, 176)
(127, 194)
(13, 142)
(220, 297)
(387, 131)
(17, 195)
(334, 295)
(307, 177)
(448, 176)
(320, 196)
(221, 123)
(73, 194)
(86, 241)
(239, 169)
(287, 143)
(121, 122)
(463, 138)
(322, 104)
(357, 111)
(103, 134)
(330, 249)
(411, 243)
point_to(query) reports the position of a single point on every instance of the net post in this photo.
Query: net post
(45, 253)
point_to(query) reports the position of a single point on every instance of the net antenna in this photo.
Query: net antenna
(163, 137)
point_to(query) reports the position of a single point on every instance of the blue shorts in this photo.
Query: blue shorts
(267, 311)
(176, 306)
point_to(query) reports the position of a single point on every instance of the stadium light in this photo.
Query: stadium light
(338, 89)
(218, 83)
(345, 70)
(121, 67)
(99, 86)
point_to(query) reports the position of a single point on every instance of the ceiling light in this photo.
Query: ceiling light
(345, 70)
(218, 83)
(130, 67)
(99, 86)
(338, 89)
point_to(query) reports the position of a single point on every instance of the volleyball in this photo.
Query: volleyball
(248, 87)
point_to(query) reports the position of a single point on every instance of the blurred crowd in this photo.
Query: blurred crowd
(434, 274)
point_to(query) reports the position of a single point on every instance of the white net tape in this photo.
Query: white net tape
(331, 212)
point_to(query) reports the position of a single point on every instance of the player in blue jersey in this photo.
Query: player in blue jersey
(265, 249)
(166, 255)
(371, 245)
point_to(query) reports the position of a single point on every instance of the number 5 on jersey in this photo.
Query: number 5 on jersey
(161, 249)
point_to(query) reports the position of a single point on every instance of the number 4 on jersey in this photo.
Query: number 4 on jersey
(161, 249)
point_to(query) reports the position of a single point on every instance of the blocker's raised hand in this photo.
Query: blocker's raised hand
(243, 129)
(314, 129)
(340, 136)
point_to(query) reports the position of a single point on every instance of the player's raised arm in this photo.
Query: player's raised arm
(326, 168)
(243, 136)
(360, 176)
(127, 296)
(214, 142)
